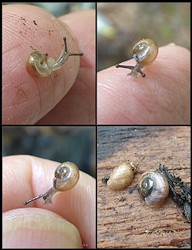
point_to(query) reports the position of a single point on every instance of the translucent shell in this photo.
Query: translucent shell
(39, 64)
(145, 52)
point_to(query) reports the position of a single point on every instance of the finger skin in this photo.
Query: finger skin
(27, 98)
(35, 177)
(38, 228)
(78, 106)
(162, 97)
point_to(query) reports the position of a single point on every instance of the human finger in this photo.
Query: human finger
(35, 176)
(162, 97)
(38, 228)
(78, 106)
(27, 98)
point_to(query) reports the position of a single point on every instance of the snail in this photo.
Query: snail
(39, 64)
(154, 187)
(66, 177)
(144, 53)
(122, 176)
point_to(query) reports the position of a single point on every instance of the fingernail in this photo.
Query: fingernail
(39, 231)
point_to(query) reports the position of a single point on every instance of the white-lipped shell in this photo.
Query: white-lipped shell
(154, 187)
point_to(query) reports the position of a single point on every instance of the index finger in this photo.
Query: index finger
(162, 97)
(27, 28)
(25, 177)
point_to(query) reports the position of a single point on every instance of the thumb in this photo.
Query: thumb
(38, 228)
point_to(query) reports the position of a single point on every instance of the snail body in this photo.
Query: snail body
(122, 176)
(154, 187)
(66, 177)
(39, 64)
(144, 52)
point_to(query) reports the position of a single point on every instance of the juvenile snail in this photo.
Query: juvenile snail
(154, 187)
(144, 53)
(66, 177)
(40, 64)
(122, 176)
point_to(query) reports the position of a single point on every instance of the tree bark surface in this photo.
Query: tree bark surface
(124, 220)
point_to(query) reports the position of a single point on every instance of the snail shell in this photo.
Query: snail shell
(145, 52)
(66, 176)
(154, 187)
(39, 64)
(122, 176)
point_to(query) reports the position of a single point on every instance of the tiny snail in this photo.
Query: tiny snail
(66, 177)
(154, 187)
(122, 176)
(39, 64)
(144, 53)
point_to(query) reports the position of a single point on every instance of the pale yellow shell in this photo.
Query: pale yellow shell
(39, 64)
(66, 176)
(122, 176)
(145, 51)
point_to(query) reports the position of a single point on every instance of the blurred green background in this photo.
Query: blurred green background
(121, 25)
(57, 143)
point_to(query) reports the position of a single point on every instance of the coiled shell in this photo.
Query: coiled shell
(122, 176)
(145, 52)
(66, 176)
(39, 64)
(154, 187)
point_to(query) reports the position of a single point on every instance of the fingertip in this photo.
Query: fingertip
(26, 98)
(162, 97)
(38, 228)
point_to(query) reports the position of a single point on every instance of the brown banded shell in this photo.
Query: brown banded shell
(154, 187)
(122, 176)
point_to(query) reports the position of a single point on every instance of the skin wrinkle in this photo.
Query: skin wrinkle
(156, 91)
(180, 111)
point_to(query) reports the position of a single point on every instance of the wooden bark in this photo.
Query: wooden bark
(124, 220)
